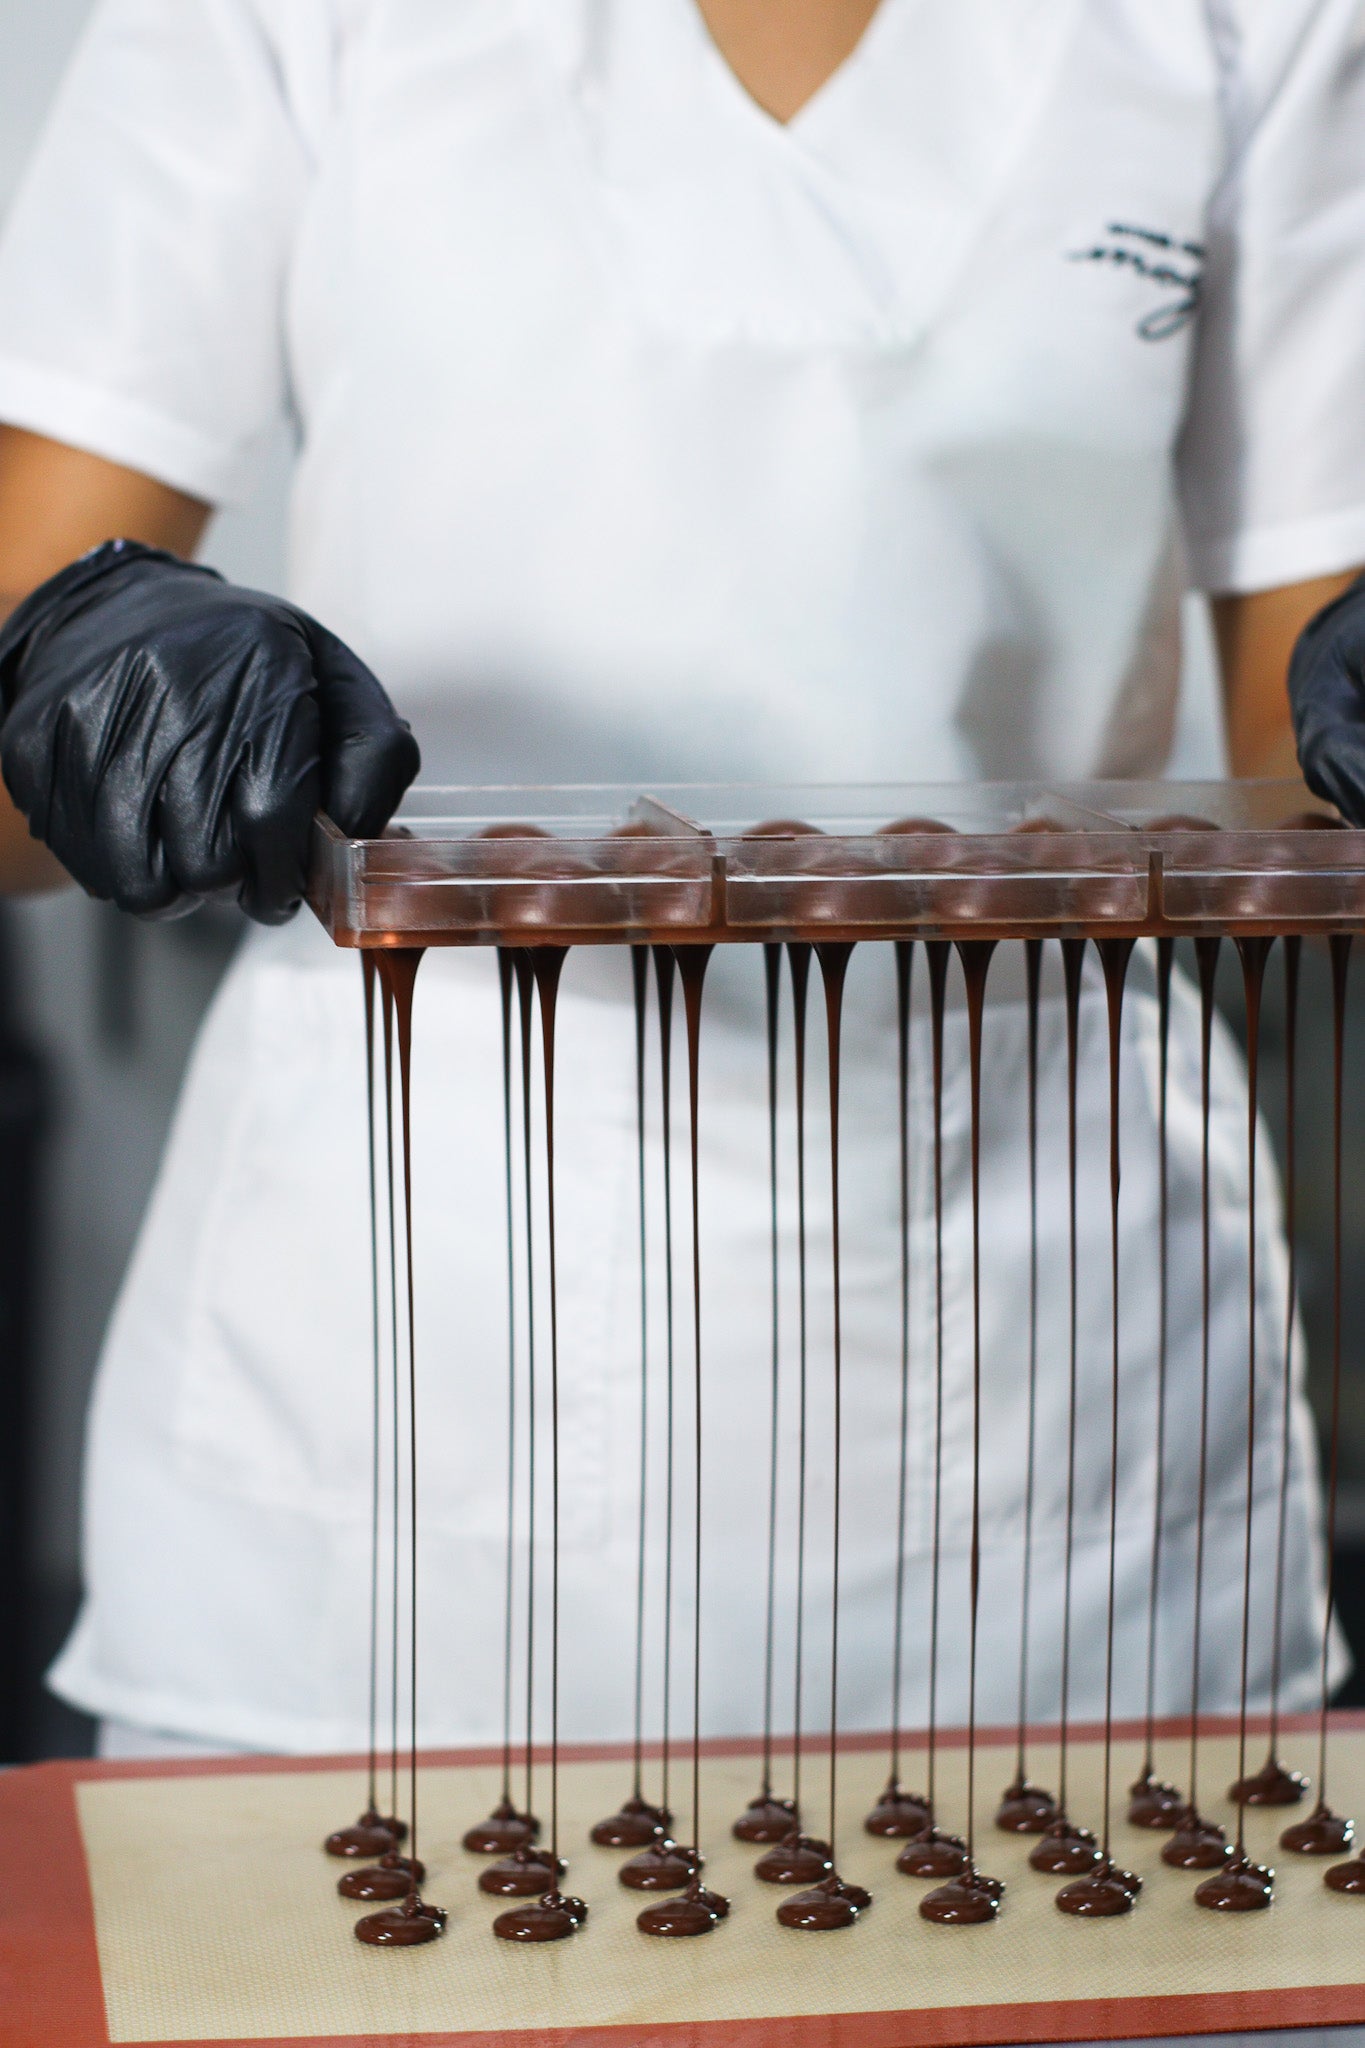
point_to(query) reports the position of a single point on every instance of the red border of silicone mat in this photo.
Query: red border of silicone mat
(51, 1995)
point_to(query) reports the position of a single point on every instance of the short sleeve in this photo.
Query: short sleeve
(1272, 460)
(144, 262)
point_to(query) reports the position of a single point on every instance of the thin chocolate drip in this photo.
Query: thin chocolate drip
(898, 1812)
(1244, 1886)
(768, 1819)
(832, 1904)
(799, 1858)
(970, 1896)
(412, 1922)
(1026, 1809)
(933, 1853)
(1199, 1844)
(1109, 1890)
(525, 1869)
(1152, 1803)
(553, 1916)
(698, 1910)
(372, 1834)
(506, 1829)
(1325, 1833)
(1275, 1784)
(634, 1825)
(1065, 1849)
(664, 1864)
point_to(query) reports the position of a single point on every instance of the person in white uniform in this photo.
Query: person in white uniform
(719, 389)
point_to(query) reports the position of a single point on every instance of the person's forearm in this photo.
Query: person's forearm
(55, 503)
(1256, 637)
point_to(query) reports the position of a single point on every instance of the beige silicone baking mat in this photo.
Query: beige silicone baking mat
(218, 1918)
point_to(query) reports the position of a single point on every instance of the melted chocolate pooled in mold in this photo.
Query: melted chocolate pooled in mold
(1179, 821)
(898, 1814)
(765, 1820)
(1346, 1877)
(522, 1875)
(371, 1836)
(1323, 1833)
(393, 1877)
(966, 1901)
(512, 829)
(1152, 1803)
(825, 1907)
(901, 828)
(406, 1926)
(933, 1854)
(504, 1830)
(665, 1866)
(635, 1826)
(695, 1911)
(1025, 1809)
(553, 1918)
(1102, 1895)
(1196, 1844)
(797, 1859)
(1273, 1785)
(1240, 1887)
(1311, 821)
(1065, 1850)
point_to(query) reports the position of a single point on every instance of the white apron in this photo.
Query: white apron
(642, 439)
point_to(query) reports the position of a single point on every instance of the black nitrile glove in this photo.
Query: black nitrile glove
(1327, 694)
(170, 737)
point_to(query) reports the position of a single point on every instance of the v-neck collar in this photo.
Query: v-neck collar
(830, 88)
(852, 221)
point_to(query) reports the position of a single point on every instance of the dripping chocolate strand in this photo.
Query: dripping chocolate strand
(525, 1869)
(372, 1834)
(635, 1824)
(1109, 1890)
(1026, 1809)
(1243, 1886)
(665, 1864)
(697, 1910)
(932, 1852)
(832, 1903)
(1326, 1833)
(799, 1859)
(897, 1811)
(1151, 1802)
(555, 1915)
(1065, 1849)
(768, 1819)
(412, 1922)
(1199, 1844)
(506, 1829)
(1275, 1784)
(969, 1898)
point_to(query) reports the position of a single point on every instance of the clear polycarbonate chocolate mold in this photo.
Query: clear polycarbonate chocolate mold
(732, 862)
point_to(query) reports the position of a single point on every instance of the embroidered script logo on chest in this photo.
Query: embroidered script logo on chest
(1173, 267)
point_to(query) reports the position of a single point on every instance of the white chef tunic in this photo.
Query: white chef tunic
(641, 437)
